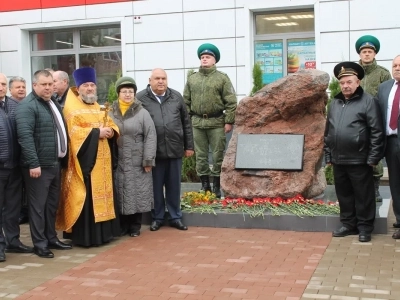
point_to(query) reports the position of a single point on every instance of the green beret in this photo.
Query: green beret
(347, 68)
(209, 49)
(125, 82)
(368, 41)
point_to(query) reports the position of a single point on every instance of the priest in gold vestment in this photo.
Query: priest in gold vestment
(87, 211)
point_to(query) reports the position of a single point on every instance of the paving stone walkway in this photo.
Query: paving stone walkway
(350, 270)
(200, 263)
(211, 263)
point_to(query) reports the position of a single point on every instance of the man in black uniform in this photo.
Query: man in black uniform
(353, 145)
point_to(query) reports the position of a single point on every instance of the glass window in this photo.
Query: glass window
(64, 63)
(68, 50)
(104, 37)
(284, 43)
(52, 40)
(107, 65)
(286, 22)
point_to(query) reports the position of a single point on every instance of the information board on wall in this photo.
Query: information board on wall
(301, 55)
(269, 56)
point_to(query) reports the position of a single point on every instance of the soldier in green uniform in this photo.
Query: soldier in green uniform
(367, 47)
(211, 102)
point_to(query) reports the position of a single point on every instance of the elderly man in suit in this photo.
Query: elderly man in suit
(389, 98)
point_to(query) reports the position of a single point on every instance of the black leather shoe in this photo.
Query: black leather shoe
(343, 231)
(19, 249)
(60, 246)
(396, 225)
(364, 237)
(124, 231)
(178, 225)
(2, 256)
(43, 252)
(155, 225)
(134, 233)
(396, 235)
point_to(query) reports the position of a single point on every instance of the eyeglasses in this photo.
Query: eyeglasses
(127, 92)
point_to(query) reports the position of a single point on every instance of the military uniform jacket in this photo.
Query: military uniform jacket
(374, 76)
(210, 92)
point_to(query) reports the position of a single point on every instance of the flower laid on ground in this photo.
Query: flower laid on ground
(203, 202)
(206, 202)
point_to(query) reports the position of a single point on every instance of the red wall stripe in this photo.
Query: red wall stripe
(60, 3)
(102, 1)
(19, 5)
(15, 5)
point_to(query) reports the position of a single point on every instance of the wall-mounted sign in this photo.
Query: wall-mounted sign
(269, 56)
(301, 55)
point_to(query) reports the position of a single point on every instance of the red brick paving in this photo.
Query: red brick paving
(201, 263)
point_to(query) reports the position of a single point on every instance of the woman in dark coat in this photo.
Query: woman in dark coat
(137, 145)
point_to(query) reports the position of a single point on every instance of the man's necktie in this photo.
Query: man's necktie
(2, 104)
(161, 98)
(395, 109)
(59, 129)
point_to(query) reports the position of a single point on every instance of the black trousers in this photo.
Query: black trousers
(24, 203)
(354, 185)
(132, 222)
(43, 196)
(392, 155)
(10, 206)
(167, 173)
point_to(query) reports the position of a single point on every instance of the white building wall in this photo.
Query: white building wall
(171, 30)
(345, 21)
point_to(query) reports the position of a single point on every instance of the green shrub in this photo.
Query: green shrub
(329, 175)
(257, 79)
(112, 94)
(189, 173)
(334, 89)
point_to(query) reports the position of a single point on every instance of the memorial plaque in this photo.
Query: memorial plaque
(270, 152)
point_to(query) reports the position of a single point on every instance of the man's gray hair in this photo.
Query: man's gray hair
(39, 73)
(62, 75)
(16, 79)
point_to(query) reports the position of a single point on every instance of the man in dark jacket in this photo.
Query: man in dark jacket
(389, 102)
(174, 140)
(61, 86)
(353, 145)
(42, 136)
(17, 86)
(10, 177)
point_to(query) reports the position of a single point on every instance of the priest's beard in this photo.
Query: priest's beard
(89, 99)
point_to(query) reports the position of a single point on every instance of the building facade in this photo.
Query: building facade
(133, 37)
